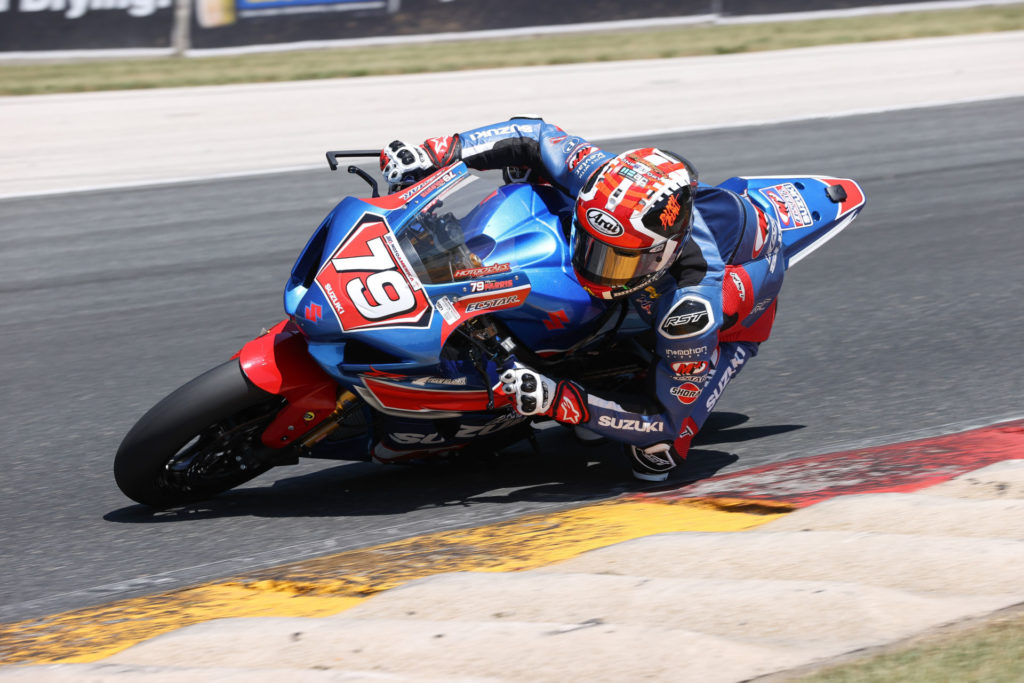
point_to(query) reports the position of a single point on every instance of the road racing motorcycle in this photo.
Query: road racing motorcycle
(401, 312)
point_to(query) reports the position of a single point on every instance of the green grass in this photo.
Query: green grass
(992, 652)
(25, 78)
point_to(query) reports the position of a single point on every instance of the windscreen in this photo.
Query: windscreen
(445, 236)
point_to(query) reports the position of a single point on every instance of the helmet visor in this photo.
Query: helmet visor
(607, 266)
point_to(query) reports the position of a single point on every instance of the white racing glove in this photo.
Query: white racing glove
(534, 394)
(402, 163)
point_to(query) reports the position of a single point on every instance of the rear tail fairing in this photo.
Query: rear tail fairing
(810, 210)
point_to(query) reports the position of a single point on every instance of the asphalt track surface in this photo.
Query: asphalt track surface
(907, 324)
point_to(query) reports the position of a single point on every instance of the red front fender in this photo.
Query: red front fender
(279, 363)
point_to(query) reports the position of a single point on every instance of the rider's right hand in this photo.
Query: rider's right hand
(402, 163)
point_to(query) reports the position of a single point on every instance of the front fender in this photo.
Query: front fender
(279, 363)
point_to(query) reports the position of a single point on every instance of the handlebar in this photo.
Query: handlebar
(332, 157)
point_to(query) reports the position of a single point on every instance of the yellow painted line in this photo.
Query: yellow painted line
(334, 583)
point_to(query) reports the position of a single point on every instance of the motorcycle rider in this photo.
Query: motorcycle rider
(700, 264)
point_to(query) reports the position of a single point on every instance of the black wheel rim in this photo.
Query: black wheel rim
(219, 454)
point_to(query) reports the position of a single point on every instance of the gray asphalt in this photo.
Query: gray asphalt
(907, 324)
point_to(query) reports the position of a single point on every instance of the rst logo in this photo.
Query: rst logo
(369, 282)
(689, 317)
(603, 223)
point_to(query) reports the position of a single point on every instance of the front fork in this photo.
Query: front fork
(278, 363)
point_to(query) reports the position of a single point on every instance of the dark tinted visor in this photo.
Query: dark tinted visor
(605, 265)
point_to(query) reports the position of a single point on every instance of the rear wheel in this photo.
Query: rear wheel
(198, 441)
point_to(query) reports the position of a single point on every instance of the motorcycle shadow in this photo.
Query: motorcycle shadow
(559, 470)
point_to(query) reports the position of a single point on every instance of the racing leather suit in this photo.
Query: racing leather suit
(709, 311)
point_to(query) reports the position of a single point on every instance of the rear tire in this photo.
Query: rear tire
(197, 441)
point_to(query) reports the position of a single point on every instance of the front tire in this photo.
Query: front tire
(197, 441)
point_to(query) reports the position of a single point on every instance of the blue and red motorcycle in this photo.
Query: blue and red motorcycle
(401, 312)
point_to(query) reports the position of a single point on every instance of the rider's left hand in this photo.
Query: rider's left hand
(401, 162)
(534, 394)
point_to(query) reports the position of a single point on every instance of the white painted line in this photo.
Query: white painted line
(601, 137)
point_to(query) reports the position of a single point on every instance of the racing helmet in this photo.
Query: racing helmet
(631, 220)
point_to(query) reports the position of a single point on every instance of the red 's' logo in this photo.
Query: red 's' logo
(557, 320)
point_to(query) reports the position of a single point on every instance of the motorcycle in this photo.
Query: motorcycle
(402, 310)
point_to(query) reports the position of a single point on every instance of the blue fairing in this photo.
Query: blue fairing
(517, 231)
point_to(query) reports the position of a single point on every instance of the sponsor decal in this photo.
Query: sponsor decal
(670, 213)
(737, 281)
(313, 312)
(76, 9)
(482, 271)
(490, 285)
(578, 155)
(698, 367)
(789, 205)
(514, 129)
(567, 411)
(583, 169)
(439, 145)
(557, 320)
(629, 425)
(447, 310)
(686, 393)
(451, 381)
(761, 305)
(728, 372)
(761, 235)
(426, 187)
(369, 271)
(689, 317)
(472, 304)
(571, 144)
(686, 353)
(572, 404)
(604, 223)
(634, 175)
(488, 304)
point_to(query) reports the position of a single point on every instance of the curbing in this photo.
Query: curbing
(734, 606)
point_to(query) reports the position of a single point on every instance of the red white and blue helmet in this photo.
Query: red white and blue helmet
(631, 220)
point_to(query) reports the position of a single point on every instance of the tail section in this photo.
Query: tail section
(811, 210)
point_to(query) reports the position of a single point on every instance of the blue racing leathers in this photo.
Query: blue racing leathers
(709, 311)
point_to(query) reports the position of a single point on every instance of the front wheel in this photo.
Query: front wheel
(197, 441)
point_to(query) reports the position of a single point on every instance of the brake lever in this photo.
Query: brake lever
(365, 176)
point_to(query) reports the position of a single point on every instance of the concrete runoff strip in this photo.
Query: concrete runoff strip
(779, 612)
(673, 606)
(69, 142)
(1001, 480)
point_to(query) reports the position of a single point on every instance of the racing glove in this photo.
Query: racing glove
(402, 163)
(534, 394)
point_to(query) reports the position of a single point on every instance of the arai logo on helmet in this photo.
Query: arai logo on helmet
(604, 223)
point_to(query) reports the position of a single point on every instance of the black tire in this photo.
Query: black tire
(184, 449)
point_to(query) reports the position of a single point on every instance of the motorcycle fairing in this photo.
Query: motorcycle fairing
(517, 227)
(809, 210)
(277, 362)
